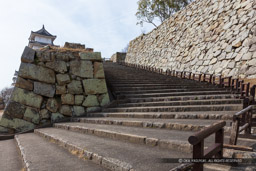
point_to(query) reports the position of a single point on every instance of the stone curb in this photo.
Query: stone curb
(106, 162)
(26, 164)
(167, 144)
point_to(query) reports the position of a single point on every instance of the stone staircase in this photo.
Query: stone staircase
(151, 119)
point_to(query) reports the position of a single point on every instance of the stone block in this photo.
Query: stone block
(35, 72)
(17, 124)
(247, 56)
(25, 84)
(151, 141)
(104, 99)
(91, 101)
(63, 79)
(95, 86)
(98, 71)
(93, 109)
(66, 110)
(58, 66)
(79, 111)
(26, 97)
(75, 87)
(61, 89)
(43, 89)
(28, 55)
(91, 56)
(79, 99)
(56, 117)
(44, 56)
(15, 109)
(251, 71)
(52, 105)
(4, 130)
(32, 115)
(44, 114)
(82, 69)
(68, 99)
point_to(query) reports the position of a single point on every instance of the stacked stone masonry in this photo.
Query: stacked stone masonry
(55, 83)
(118, 57)
(209, 36)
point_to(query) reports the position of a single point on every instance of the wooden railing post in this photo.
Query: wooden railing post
(229, 81)
(198, 153)
(252, 93)
(220, 81)
(242, 90)
(210, 79)
(247, 90)
(189, 76)
(219, 139)
(216, 150)
(200, 76)
(243, 119)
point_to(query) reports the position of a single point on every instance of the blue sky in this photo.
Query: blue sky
(105, 25)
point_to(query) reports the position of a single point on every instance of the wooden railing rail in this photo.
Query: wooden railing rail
(242, 121)
(216, 150)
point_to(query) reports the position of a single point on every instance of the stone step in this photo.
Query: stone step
(152, 81)
(167, 139)
(159, 87)
(183, 103)
(9, 156)
(111, 154)
(224, 115)
(151, 84)
(167, 90)
(195, 93)
(182, 98)
(39, 155)
(172, 124)
(227, 107)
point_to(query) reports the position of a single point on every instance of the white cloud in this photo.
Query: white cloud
(105, 25)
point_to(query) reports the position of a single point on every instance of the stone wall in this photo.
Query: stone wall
(55, 83)
(208, 36)
(1, 104)
(118, 57)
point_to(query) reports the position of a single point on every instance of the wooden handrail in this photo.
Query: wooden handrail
(206, 132)
(216, 149)
(243, 119)
(238, 114)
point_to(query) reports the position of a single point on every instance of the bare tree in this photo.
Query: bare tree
(125, 49)
(5, 94)
(151, 10)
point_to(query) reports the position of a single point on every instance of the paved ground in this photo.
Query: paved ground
(1, 113)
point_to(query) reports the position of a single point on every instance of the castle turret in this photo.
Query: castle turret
(40, 38)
